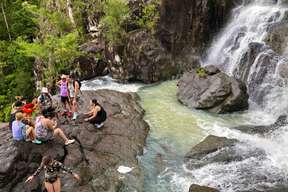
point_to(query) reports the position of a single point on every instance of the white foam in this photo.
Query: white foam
(110, 84)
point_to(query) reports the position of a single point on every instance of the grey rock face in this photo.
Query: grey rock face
(213, 91)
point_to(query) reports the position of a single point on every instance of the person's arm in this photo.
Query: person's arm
(50, 124)
(76, 89)
(94, 114)
(89, 113)
(66, 169)
(29, 179)
(58, 83)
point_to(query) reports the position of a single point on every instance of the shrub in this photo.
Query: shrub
(116, 14)
(201, 72)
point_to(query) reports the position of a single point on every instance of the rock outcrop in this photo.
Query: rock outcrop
(212, 90)
(198, 188)
(144, 59)
(191, 24)
(263, 129)
(209, 145)
(95, 156)
(183, 32)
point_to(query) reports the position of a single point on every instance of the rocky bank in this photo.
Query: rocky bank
(95, 156)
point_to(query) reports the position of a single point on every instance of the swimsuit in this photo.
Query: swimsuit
(51, 171)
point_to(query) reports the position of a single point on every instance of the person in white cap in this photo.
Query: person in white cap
(63, 85)
(45, 100)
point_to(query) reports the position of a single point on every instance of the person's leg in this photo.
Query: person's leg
(63, 102)
(49, 187)
(30, 133)
(75, 108)
(57, 185)
(59, 133)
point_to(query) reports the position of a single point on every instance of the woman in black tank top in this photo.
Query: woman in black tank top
(97, 115)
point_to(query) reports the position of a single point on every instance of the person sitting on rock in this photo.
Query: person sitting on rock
(46, 129)
(97, 115)
(29, 108)
(21, 131)
(51, 169)
(16, 107)
(45, 100)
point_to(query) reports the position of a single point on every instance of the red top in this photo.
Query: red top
(28, 108)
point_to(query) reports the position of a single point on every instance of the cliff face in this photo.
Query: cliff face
(182, 33)
(192, 23)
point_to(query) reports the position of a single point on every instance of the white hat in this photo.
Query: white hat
(63, 76)
(44, 90)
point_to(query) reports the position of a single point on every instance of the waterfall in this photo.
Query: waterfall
(245, 50)
(242, 50)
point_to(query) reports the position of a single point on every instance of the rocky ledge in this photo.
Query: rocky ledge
(96, 155)
(198, 188)
(210, 89)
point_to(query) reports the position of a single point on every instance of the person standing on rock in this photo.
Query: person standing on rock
(97, 115)
(64, 92)
(74, 90)
(51, 169)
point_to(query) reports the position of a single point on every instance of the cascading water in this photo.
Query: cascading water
(241, 50)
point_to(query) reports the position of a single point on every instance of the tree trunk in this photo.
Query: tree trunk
(6, 22)
(70, 12)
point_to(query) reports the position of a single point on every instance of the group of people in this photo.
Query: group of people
(37, 122)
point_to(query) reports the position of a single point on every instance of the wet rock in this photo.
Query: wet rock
(198, 188)
(262, 129)
(276, 37)
(191, 23)
(209, 145)
(144, 60)
(95, 156)
(216, 92)
(257, 69)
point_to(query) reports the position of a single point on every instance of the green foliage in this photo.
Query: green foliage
(201, 72)
(57, 52)
(16, 77)
(20, 21)
(116, 13)
(150, 16)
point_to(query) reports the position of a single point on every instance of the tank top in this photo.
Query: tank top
(40, 130)
(71, 89)
(102, 113)
(64, 89)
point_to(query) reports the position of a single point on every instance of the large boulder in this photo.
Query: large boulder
(95, 156)
(212, 90)
(198, 188)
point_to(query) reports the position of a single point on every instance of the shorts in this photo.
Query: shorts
(48, 137)
(64, 99)
(97, 120)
